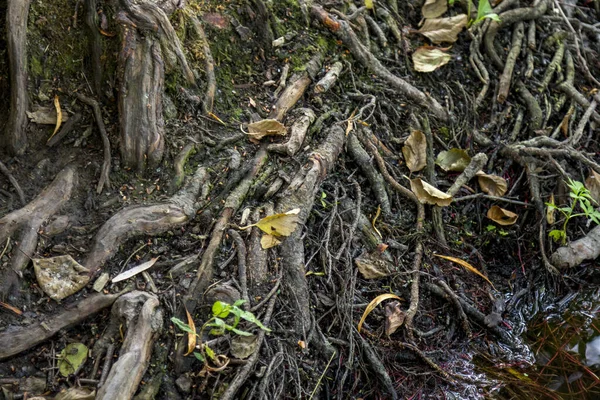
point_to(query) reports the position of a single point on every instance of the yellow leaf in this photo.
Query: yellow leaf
(191, 335)
(58, 116)
(267, 241)
(502, 216)
(266, 127)
(428, 59)
(374, 303)
(440, 30)
(369, 4)
(428, 194)
(467, 266)
(213, 116)
(415, 151)
(492, 184)
(278, 225)
(375, 220)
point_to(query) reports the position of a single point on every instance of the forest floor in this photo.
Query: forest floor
(469, 303)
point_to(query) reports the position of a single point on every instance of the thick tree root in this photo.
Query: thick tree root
(27, 222)
(578, 251)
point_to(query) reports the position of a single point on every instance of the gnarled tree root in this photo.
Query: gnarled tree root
(27, 222)
(13, 342)
(578, 251)
(140, 313)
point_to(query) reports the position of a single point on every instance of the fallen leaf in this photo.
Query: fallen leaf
(394, 317)
(592, 183)
(374, 303)
(61, 276)
(550, 211)
(71, 358)
(191, 333)
(267, 241)
(468, 266)
(302, 344)
(278, 225)
(58, 116)
(434, 8)
(373, 265)
(493, 185)
(428, 59)
(415, 151)
(350, 125)
(214, 116)
(455, 160)
(440, 30)
(134, 271)
(243, 346)
(428, 194)
(502, 216)
(266, 127)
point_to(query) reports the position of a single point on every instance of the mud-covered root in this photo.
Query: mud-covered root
(140, 314)
(26, 223)
(578, 251)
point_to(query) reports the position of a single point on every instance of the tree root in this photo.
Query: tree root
(140, 313)
(13, 342)
(13, 182)
(578, 251)
(211, 80)
(28, 220)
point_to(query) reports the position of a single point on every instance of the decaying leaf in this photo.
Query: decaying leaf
(428, 59)
(134, 271)
(467, 266)
(278, 225)
(440, 30)
(428, 194)
(267, 241)
(71, 358)
(60, 276)
(191, 344)
(243, 346)
(493, 185)
(373, 265)
(434, 8)
(414, 151)
(374, 303)
(455, 160)
(502, 216)
(266, 127)
(58, 116)
(550, 211)
(592, 183)
(394, 317)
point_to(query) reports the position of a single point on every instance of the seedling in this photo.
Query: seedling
(221, 322)
(580, 198)
(484, 10)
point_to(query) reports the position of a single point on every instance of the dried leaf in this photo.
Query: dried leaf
(134, 271)
(267, 241)
(266, 127)
(71, 358)
(428, 194)
(58, 116)
(440, 30)
(414, 151)
(493, 185)
(101, 282)
(428, 59)
(394, 317)
(191, 333)
(375, 220)
(455, 160)
(350, 125)
(502, 216)
(60, 276)
(374, 303)
(434, 8)
(278, 225)
(592, 183)
(550, 211)
(243, 346)
(468, 266)
(373, 265)
(213, 116)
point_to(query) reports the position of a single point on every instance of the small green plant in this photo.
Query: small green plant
(580, 198)
(225, 318)
(484, 10)
(493, 228)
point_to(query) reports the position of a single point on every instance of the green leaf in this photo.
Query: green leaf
(199, 356)
(217, 332)
(248, 316)
(239, 302)
(557, 235)
(182, 325)
(209, 352)
(71, 358)
(221, 309)
(240, 332)
(493, 16)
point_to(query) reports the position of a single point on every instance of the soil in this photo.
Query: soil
(347, 186)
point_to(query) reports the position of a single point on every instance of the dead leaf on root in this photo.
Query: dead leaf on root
(502, 216)
(428, 59)
(592, 183)
(467, 266)
(278, 225)
(374, 303)
(394, 317)
(266, 127)
(243, 346)
(434, 8)
(267, 241)
(455, 160)
(134, 271)
(71, 358)
(415, 151)
(493, 185)
(440, 30)
(373, 265)
(61, 276)
(58, 116)
(428, 194)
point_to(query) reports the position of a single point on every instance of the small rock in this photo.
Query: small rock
(184, 383)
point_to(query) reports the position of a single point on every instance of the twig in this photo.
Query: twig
(13, 182)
